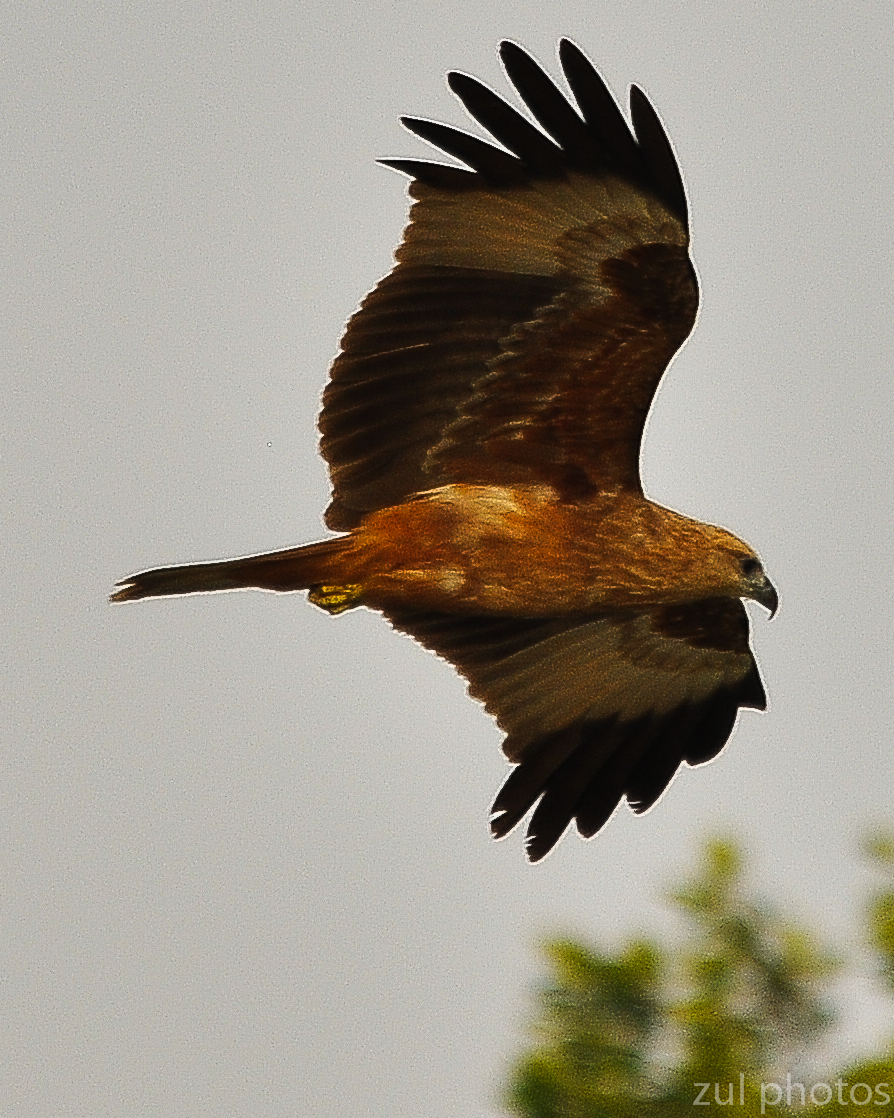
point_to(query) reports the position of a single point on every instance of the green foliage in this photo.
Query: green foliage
(880, 849)
(726, 1020)
(598, 1018)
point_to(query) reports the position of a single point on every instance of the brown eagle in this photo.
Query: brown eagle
(482, 426)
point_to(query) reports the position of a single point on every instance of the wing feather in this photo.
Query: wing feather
(550, 109)
(600, 111)
(657, 151)
(599, 709)
(536, 151)
(379, 422)
(539, 294)
(495, 165)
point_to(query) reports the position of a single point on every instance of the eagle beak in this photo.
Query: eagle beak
(768, 597)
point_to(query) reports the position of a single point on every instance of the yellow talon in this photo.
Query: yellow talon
(335, 599)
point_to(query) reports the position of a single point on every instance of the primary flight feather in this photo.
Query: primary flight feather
(482, 427)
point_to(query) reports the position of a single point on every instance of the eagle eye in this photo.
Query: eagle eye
(749, 567)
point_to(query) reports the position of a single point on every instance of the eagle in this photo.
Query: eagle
(482, 427)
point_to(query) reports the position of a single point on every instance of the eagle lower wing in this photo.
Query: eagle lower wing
(600, 708)
(536, 302)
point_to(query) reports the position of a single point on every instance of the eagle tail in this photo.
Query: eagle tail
(316, 565)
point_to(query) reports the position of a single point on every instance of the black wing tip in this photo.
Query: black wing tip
(591, 130)
(636, 761)
(658, 152)
(443, 175)
(568, 48)
(492, 163)
(513, 54)
(538, 846)
(458, 81)
(499, 827)
(537, 843)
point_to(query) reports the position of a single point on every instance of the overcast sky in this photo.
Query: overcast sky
(245, 855)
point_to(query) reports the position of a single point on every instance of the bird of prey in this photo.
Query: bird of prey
(482, 426)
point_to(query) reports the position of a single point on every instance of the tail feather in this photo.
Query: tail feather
(298, 568)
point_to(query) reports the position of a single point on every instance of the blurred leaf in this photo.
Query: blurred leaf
(880, 848)
(726, 1018)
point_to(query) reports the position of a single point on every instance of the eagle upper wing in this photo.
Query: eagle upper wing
(537, 299)
(600, 708)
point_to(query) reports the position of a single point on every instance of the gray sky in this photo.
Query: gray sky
(246, 867)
